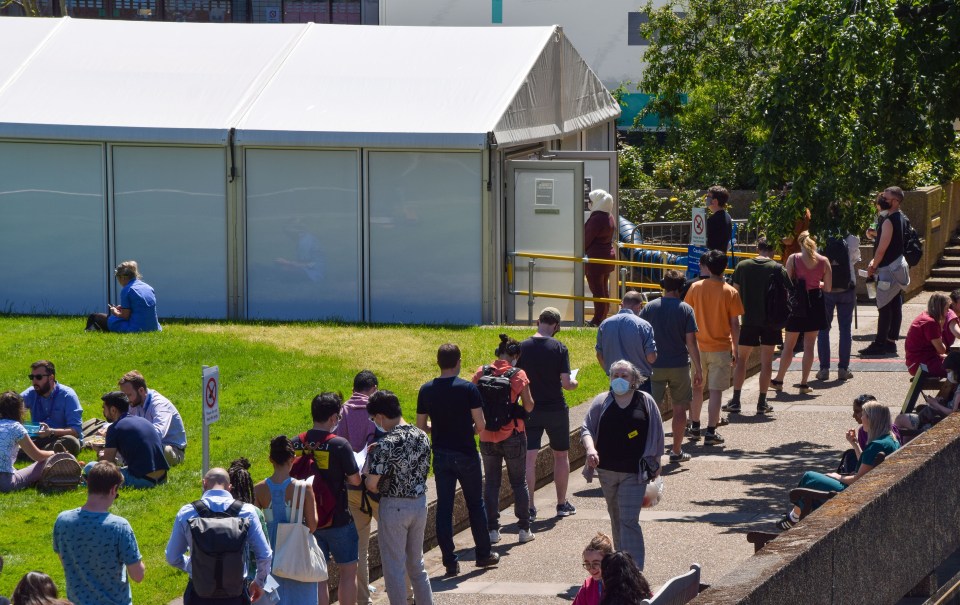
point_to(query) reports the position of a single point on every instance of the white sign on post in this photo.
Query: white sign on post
(211, 394)
(698, 227)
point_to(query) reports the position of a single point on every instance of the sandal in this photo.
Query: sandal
(776, 385)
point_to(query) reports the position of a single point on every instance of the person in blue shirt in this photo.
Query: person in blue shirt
(55, 407)
(137, 311)
(136, 440)
(627, 336)
(151, 405)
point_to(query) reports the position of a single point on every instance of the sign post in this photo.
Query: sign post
(210, 396)
(698, 242)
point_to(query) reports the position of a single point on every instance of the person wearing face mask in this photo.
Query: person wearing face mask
(891, 272)
(623, 436)
(509, 442)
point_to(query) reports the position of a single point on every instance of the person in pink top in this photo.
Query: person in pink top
(600, 546)
(508, 443)
(813, 271)
(924, 343)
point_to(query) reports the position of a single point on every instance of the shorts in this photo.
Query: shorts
(675, 379)
(755, 336)
(716, 369)
(342, 542)
(557, 425)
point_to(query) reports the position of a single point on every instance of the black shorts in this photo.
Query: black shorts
(557, 425)
(754, 336)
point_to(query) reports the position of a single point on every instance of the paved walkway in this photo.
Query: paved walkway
(709, 503)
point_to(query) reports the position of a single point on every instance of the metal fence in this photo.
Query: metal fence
(357, 12)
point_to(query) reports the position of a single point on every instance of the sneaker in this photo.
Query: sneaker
(844, 374)
(890, 349)
(823, 375)
(526, 535)
(713, 438)
(732, 406)
(776, 385)
(692, 433)
(724, 421)
(764, 408)
(681, 457)
(533, 514)
(489, 561)
(785, 523)
(875, 349)
(804, 389)
(566, 509)
(452, 570)
(494, 536)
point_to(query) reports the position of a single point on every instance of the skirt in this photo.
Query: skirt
(814, 317)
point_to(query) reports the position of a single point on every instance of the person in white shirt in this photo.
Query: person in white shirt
(149, 404)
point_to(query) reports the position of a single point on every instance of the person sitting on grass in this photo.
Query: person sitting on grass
(600, 546)
(135, 439)
(876, 421)
(623, 582)
(137, 311)
(13, 436)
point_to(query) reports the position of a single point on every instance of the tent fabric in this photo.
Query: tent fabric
(296, 85)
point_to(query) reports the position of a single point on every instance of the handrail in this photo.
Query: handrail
(683, 249)
(615, 301)
(602, 261)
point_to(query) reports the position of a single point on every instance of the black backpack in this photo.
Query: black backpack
(839, 256)
(779, 303)
(216, 555)
(498, 409)
(912, 244)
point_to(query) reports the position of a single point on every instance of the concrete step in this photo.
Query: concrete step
(945, 273)
(952, 251)
(949, 261)
(941, 285)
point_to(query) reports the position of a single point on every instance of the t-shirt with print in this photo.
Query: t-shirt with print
(95, 549)
(336, 462)
(672, 319)
(139, 444)
(714, 303)
(11, 432)
(544, 360)
(403, 455)
(449, 401)
(517, 382)
(752, 276)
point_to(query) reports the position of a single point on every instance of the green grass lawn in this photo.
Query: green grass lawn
(268, 373)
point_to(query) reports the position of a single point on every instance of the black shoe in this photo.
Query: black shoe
(764, 408)
(732, 406)
(713, 439)
(452, 570)
(876, 349)
(489, 561)
(692, 433)
(786, 523)
(890, 348)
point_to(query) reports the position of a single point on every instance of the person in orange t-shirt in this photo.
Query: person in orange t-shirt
(508, 443)
(717, 307)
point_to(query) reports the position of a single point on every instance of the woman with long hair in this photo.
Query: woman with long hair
(924, 343)
(36, 588)
(13, 437)
(812, 276)
(623, 583)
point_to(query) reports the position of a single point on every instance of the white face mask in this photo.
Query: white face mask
(951, 377)
(619, 386)
(884, 213)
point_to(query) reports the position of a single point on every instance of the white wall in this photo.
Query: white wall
(303, 240)
(171, 217)
(52, 212)
(425, 237)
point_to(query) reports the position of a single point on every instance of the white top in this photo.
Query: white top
(11, 432)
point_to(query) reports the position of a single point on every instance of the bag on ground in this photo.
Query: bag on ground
(61, 472)
(297, 555)
(498, 409)
(216, 553)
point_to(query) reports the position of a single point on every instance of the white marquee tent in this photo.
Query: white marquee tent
(275, 171)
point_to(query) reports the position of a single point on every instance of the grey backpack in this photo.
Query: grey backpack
(216, 556)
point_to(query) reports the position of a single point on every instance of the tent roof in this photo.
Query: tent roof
(293, 85)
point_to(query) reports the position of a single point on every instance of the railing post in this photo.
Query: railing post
(531, 264)
(623, 282)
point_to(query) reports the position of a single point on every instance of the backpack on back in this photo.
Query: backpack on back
(912, 244)
(779, 304)
(306, 466)
(61, 472)
(839, 256)
(216, 554)
(498, 408)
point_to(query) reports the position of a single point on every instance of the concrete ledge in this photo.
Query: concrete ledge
(872, 543)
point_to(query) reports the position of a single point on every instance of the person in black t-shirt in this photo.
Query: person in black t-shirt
(891, 271)
(135, 440)
(547, 364)
(719, 224)
(453, 405)
(337, 467)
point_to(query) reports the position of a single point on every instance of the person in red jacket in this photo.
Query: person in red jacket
(598, 233)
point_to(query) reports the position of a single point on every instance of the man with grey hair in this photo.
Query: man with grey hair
(627, 336)
(217, 502)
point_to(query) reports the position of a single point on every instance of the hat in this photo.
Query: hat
(550, 315)
(602, 200)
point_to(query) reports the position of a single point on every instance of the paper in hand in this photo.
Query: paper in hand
(573, 374)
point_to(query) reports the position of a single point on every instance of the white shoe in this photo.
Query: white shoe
(494, 536)
(526, 535)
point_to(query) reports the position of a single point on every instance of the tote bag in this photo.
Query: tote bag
(297, 555)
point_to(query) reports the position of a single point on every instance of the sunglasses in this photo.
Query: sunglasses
(37, 376)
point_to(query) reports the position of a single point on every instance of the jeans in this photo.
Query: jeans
(844, 303)
(889, 319)
(400, 531)
(130, 480)
(448, 468)
(514, 451)
(624, 495)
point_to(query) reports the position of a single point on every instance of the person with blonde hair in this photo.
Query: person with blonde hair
(137, 311)
(598, 237)
(876, 420)
(924, 343)
(812, 276)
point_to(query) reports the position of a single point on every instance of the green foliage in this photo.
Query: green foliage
(269, 374)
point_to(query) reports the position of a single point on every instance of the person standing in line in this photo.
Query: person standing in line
(598, 238)
(453, 408)
(403, 456)
(676, 326)
(719, 223)
(98, 550)
(891, 271)
(751, 279)
(843, 252)
(627, 335)
(717, 307)
(546, 362)
(157, 409)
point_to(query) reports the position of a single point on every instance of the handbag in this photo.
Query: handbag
(297, 555)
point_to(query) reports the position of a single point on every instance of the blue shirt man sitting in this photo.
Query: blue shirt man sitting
(55, 407)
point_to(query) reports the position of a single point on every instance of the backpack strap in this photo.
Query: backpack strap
(487, 370)
(234, 509)
(203, 511)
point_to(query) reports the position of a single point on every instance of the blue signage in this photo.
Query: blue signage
(693, 260)
(497, 11)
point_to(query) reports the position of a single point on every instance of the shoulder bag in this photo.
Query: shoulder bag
(297, 555)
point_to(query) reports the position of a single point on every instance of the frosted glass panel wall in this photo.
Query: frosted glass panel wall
(170, 212)
(303, 221)
(425, 237)
(52, 216)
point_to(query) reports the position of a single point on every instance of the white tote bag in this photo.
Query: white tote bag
(297, 555)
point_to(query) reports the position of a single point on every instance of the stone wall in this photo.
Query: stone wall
(870, 544)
